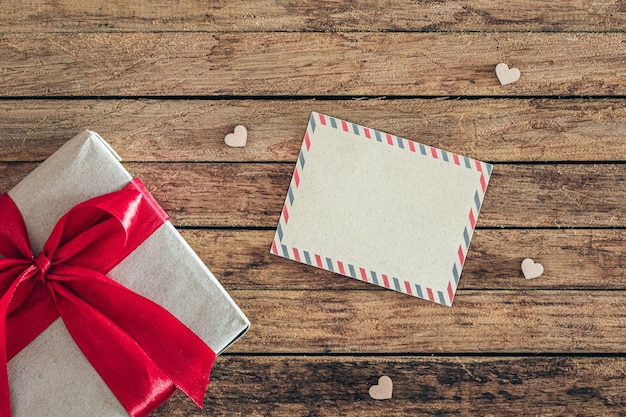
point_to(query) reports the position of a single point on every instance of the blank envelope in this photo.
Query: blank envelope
(382, 209)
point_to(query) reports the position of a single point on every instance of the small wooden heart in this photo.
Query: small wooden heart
(507, 75)
(383, 390)
(238, 139)
(531, 269)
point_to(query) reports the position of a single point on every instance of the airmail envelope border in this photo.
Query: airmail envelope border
(414, 176)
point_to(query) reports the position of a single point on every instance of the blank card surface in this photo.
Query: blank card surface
(381, 209)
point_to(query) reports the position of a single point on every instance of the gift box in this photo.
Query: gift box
(51, 376)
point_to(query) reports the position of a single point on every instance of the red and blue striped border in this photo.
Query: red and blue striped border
(443, 295)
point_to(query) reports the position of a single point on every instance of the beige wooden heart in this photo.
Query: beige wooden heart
(383, 390)
(531, 269)
(238, 139)
(507, 75)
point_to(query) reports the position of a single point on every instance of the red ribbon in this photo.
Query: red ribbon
(141, 351)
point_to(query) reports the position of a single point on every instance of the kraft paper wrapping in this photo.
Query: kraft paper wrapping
(51, 377)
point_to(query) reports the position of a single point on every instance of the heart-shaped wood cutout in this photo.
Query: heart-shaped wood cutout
(383, 390)
(531, 269)
(238, 139)
(507, 75)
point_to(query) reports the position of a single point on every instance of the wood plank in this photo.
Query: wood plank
(573, 259)
(310, 64)
(317, 386)
(193, 130)
(252, 195)
(281, 15)
(485, 322)
(519, 195)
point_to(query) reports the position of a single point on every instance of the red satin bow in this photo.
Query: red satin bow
(141, 351)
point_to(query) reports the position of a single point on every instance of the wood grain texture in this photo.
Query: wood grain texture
(282, 15)
(326, 386)
(165, 81)
(252, 195)
(518, 195)
(573, 259)
(385, 321)
(310, 64)
(530, 130)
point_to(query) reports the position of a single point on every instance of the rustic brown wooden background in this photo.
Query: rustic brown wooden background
(165, 81)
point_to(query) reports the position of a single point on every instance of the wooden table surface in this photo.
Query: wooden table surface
(165, 81)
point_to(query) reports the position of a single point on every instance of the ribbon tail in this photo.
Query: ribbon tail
(28, 320)
(134, 379)
(172, 348)
(5, 394)
(24, 320)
